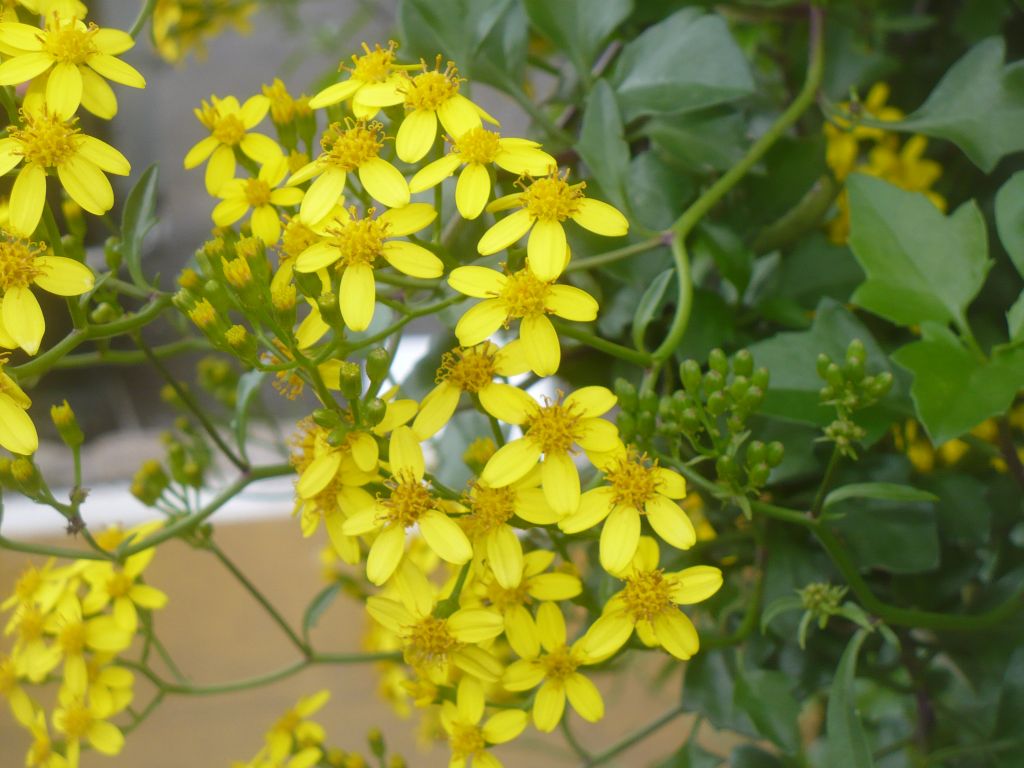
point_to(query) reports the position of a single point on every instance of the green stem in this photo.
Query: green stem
(635, 737)
(826, 481)
(145, 12)
(610, 257)
(684, 301)
(49, 551)
(450, 604)
(130, 357)
(941, 756)
(610, 347)
(571, 740)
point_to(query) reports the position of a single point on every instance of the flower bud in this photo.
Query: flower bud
(717, 361)
(690, 375)
(378, 363)
(374, 412)
(67, 425)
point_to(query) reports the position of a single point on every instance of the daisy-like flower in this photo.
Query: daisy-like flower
(476, 149)
(119, 585)
(294, 729)
(543, 205)
(409, 503)
(24, 263)
(469, 739)
(80, 722)
(76, 56)
(46, 142)
(649, 603)
(260, 194)
(373, 74)
(41, 753)
(519, 296)
(432, 644)
(355, 147)
(430, 96)
(471, 370)
(17, 432)
(554, 669)
(230, 125)
(10, 688)
(634, 488)
(550, 432)
(843, 138)
(355, 244)
(487, 524)
(74, 635)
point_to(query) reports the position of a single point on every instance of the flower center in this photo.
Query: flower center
(633, 482)
(428, 641)
(554, 428)
(30, 624)
(349, 148)
(552, 198)
(408, 502)
(478, 146)
(18, 266)
(31, 580)
(257, 192)
(503, 599)
(469, 369)
(45, 139)
(70, 42)
(560, 664)
(646, 595)
(203, 314)
(466, 740)
(359, 240)
(228, 129)
(40, 751)
(490, 509)
(524, 295)
(373, 66)
(119, 585)
(77, 720)
(429, 90)
(296, 238)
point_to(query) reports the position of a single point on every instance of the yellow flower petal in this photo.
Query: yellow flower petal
(114, 69)
(478, 282)
(507, 403)
(521, 633)
(598, 436)
(505, 556)
(696, 583)
(229, 210)
(506, 232)
(504, 727)
(620, 538)
(548, 706)
(591, 401)
(17, 432)
(24, 37)
(545, 250)
(332, 94)
(594, 507)
(317, 256)
(416, 135)
(28, 195)
(105, 737)
(510, 462)
(390, 614)
(670, 483)
(469, 699)
(561, 482)
(446, 538)
(459, 115)
(522, 675)
(384, 183)
(411, 259)
(86, 184)
(23, 318)
(571, 303)
(555, 586)
(550, 627)
(63, 276)
(480, 322)
(265, 224)
(584, 697)
(318, 474)
(472, 190)
(676, 634)
(436, 410)
(475, 625)
(540, 342)
(606, 636)
(220, 169)
(358, 296)
(323, 194)
(405, 454)
(600, 218)
(200, 151)
(64, 90)
(97, 95)
(434, 173)
(385, 554)
(24, 67)
(408, 219)
(670, 522)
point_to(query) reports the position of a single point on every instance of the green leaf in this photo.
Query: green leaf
(765, 695)
(1010, 218)
(921, 265)
(749, 756)
(978, 105)
(897, 537)
(602, 146)
(248, 387)
(578, 27)
(847, 745)
(650, 306)
(686, 62)
(953, 390)
(1015, 319)
(692, 755)
(884, 491)
(708, 690)
(701, 142)
(316, 608)
(137, 219)
(778, 606)
(657, 193)
(735, 261)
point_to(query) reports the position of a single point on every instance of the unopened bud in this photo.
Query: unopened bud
(67, 425)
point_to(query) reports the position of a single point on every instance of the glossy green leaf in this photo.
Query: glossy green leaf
(735, 261)
(897, 537)
(978, 105)
(708, 690)
(884, 491)
(921, 265)
(602, 145)
(692, 755)
(686, 62)
(847, 745)
(137, 219)
(578, 27)
(703, 141)
(765, 695)
(953, 389)
(1010, 218)
(650, 306)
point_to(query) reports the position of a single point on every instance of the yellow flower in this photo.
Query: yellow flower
(356, 244)
(353, 148)
(409, 503)
(373, 74)
(77, 58)
(79, 721)
(466, 369)
(543, 205)
(10, 688)
(649, 603)
(24, 263)
(259, 194)
(475, 149)
(41, 753)
(294, 729)
(74, 635)
(431, 644)
(229, 124)
(119, 585)
(46, 142)
(634, 488)
(519, 296)
(17, 432)
(550, 432)
(469, 739)
(555, 671)
(843, 137)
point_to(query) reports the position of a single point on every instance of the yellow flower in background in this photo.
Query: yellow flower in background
(263, 196)
(373, 75)
(355, 148)
(634, 488)
(17, 432)
(46, 142)
(476, 149)
(119, 586)
(10, 688)
(229, 124)
(551, 433)
(410, 502)
(294, 730)
(554, 669)
(24, 263)
(543, 205)
(75, 634)
(843, 138)
(41, 753)
(79, 721)
(76, 57)
(467, 738)
(471, 370)
(649, 603)
(519, 296)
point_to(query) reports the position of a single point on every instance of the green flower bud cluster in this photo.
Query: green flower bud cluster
(189, 456)
(849, 388)
(150, 482)
(218, 377)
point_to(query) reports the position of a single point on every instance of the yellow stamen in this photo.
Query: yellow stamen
(552, 198)
(554, 427)
(647, 594)
(468, 369)
(45, 139)
(524, 295)
(478, 146)
(430, 89)
(349, 148)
